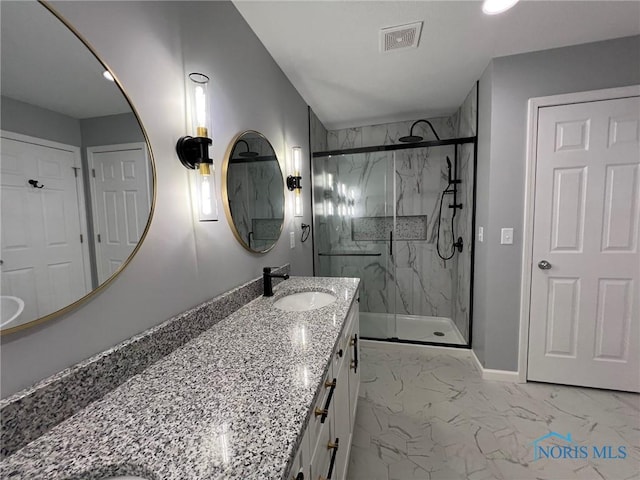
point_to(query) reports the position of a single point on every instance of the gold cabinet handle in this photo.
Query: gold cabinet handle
(331, 446)
(320, 411)
(324, 412)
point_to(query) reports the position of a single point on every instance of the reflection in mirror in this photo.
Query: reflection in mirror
(76, 172)
(253, 190)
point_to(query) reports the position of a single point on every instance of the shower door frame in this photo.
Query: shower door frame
(392, 148)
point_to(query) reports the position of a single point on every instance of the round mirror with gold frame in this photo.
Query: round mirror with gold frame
(253, 192)
(77, 174)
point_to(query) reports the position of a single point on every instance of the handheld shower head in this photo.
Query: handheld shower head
(449, 170)
(411, 138)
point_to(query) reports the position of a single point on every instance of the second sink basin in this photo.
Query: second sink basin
(11, 308)
(303, 301)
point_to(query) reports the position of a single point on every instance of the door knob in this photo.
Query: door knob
(544, 265)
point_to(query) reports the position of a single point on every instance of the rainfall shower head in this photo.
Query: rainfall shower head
(248, 153)
(411, 138)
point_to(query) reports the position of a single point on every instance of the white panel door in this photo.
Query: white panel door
(121, 202)
(585, 316)
(43, 261)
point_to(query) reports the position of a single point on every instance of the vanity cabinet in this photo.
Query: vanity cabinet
(326, 443)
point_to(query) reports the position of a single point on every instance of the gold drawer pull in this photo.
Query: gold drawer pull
(331, 446)
(325, 411)
(354, 344)
(320, 411)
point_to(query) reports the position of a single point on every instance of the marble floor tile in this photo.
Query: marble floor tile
(426, 414)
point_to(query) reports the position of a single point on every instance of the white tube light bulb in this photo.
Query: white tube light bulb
(206, 196)
(200, 121)
(206, 193)
(201, 112)
(297, 160)
(297, 203)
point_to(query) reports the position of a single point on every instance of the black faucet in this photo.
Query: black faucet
(266, 279)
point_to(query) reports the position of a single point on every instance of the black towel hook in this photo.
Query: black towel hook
(34, 184)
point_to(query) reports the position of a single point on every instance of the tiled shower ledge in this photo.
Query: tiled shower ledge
(229, 404)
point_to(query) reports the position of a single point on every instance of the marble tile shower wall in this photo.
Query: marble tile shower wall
(318, 133)
(250, 198)
(465, 125)
(414, 281)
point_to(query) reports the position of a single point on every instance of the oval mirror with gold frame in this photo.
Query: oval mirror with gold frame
(77, 174)
(253, 192)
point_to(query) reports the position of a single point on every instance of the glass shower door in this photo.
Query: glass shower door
(354, 220)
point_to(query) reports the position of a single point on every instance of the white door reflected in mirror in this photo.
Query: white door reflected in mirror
(76, 172)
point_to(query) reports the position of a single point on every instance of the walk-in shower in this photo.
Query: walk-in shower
(400, 217)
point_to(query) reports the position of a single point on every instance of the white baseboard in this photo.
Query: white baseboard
(498, 375)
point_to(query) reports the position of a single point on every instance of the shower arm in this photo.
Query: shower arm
(428, 123)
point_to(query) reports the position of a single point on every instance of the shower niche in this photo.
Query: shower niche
(399, 216)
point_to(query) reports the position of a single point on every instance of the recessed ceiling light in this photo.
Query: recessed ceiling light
(107, 74)
(493, 7)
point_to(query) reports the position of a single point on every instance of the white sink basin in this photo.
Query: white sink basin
(303, 301)
(10, 309)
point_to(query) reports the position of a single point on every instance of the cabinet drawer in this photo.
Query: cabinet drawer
(342, 422)
(325, 399)
(353, 359)
(302, 459)
(298, 466)
(324, 458)
(340, 354)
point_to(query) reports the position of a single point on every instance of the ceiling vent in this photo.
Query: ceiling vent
(400, 37)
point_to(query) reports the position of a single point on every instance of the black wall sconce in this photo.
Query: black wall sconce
(294, 181)
(193, 151)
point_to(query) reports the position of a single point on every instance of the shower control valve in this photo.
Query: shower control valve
(458, 244)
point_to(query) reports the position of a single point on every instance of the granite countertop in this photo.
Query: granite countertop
(229, 404)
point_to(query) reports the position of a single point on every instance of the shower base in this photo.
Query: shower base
(410, 327)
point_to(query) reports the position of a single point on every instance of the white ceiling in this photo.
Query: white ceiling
(44, 64)
(329, 49)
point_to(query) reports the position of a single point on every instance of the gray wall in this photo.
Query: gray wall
(505, 89)
(182, 262)
(110, 130)
(481, 270)
(27, 119)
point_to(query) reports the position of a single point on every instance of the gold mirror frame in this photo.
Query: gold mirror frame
(225, 196)
(107, 282)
